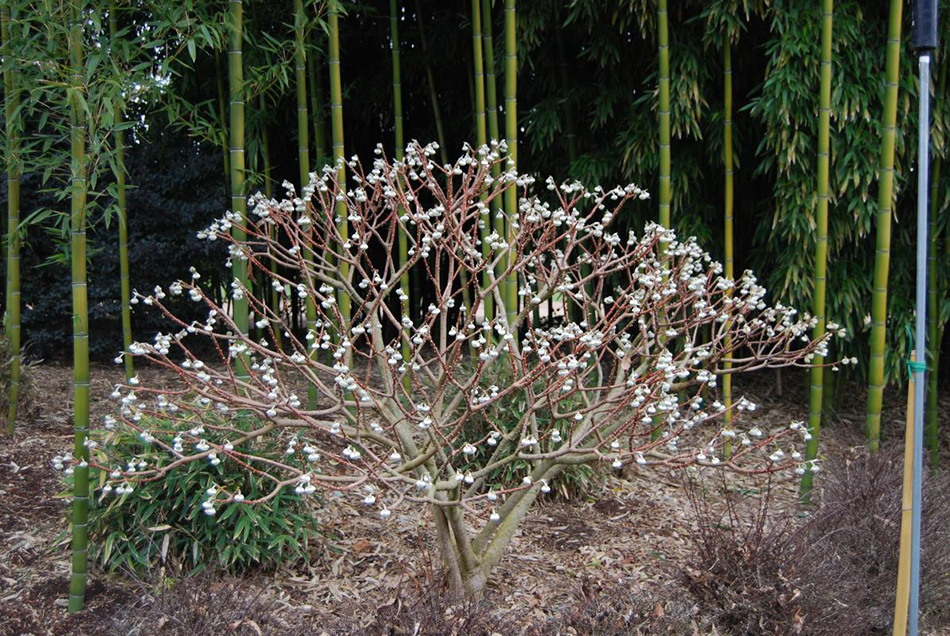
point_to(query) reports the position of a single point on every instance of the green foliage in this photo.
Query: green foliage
(27, 388)
(162, 522)
(786, 107)
(505, 415)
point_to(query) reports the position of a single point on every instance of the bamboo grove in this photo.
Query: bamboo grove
(781, 136)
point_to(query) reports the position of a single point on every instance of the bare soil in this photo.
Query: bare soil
(635, 533)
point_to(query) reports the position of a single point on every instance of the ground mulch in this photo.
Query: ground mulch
(634, 533)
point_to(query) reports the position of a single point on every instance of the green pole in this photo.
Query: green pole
(494, 132)
(664, 116)
(821, 247)
(272, 231)
(77, 244)
(569, 133)
(511, 135)
(300, 76)
(934, 335)
(403, 239)
(481, 139)
(433, 94)
(571, 311)
(316, 105)
(125, 291)
(236, 146)
(729, 201)
(303, 158)
(664, 80)
(882, 255)
(336, 117)
(222, 115)
(12, 314)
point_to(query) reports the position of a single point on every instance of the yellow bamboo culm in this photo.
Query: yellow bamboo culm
(903, 567)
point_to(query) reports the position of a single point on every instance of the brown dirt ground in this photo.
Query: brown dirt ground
(635, 534)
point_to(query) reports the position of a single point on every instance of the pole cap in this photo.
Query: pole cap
(925, 25)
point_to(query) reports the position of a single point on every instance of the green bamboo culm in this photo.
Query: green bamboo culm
(511, 136)
(491, 90)
(728, 212)
(821, 247)
(664, 81)
(481, 139)
(265, 153)
(316, 105)
(934, 327)
(303, 116)
(271, 231)
(303, 158)
(433, 93)
(402, 239)
(569, 132)
(222, 116)
(882, 255)
(236, 148)
(664, 117)
(12, 314)
(491, 116)
(574, 312)
(336, 118)
(124, 286)
(77, 246)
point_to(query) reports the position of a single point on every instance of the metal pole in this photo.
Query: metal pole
(919, 368)
(925, 41)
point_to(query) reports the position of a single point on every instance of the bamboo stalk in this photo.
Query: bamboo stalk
(571, 311)
(934, 328)
(491, 91)
(303, 160)
(491, 116)
(316, 105)
(821, 247)
(433, 94)
(12, 313)
(402, 238)
(569, 132)
(272, 231)
(882, 255)
(511, 135)
(80, 504)
(222, 116)
(663, 77)
(236, 149)
(728, 207)
(664, 82)
(300, 77)
(903, 564)
(336, 116)
(124, 286)
(481, 139)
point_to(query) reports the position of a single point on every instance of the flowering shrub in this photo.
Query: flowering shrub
(392, 395)
(504, 415)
